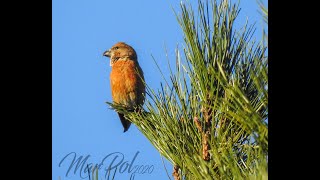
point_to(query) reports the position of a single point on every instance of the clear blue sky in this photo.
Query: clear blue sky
(81, 120)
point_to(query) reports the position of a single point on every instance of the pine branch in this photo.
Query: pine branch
(209, 118)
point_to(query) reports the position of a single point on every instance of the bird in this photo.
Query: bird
(126, 79)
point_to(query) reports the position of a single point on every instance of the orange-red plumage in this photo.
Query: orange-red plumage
(126, 79)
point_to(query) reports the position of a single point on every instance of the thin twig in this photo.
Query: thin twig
(165, 167)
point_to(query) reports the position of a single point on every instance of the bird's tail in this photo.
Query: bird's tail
(125, 123)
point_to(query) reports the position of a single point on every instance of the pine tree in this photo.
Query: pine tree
(210, 119)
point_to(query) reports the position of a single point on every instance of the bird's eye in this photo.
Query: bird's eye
(116, 47)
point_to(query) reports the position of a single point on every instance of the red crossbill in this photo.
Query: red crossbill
(126, 79)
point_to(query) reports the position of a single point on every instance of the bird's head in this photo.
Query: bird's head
(120, 51)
